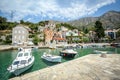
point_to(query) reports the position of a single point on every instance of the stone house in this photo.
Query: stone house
(111, 33)
(20, 35)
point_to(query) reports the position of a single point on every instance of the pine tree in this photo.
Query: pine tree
(99, 30)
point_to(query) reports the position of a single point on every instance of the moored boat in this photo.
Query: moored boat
(22, 62)
(50, 57)
(52, 47)
(70, 53)
(117, 45)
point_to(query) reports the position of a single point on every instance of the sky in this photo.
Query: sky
(59, 10)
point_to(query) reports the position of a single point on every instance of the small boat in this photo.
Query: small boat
(51, 58)
(22, 62)
(52, 47)
(117, 45)
(70, 53)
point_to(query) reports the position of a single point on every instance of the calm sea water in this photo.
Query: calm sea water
(6, 58)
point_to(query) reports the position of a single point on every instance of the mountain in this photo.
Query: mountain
(110, 19)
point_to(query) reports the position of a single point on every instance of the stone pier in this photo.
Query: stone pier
(89, 67)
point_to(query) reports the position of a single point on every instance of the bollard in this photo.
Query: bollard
(103, 54)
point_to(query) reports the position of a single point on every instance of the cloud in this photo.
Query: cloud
(52, 9)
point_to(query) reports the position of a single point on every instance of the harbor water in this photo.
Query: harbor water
(6, 58)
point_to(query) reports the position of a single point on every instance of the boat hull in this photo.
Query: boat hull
(51, 59)
(21, 70)
(68, 55)
(117, 45)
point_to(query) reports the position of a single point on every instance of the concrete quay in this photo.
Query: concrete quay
(10, 47)
(89, 67)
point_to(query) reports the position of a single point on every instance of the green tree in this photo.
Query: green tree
(3, 23)
(33, 27)
(58, 26)
(91, 29)
(21, 22)
(118, 33)
(41, 23)
(8, 39)
(35, 40)
(85, 39)
(86, 31)
(99, 30)
(71, 38)
(2, 19)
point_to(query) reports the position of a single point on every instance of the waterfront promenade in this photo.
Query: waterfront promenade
(10, 47)
(89, 67)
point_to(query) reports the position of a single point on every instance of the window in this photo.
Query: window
(23, 62)
(16, 63)
(29, 59)
(15, 37)
(26, 54)
(22, 37)
(23, 32)
(15, 31)
(19, 37)
(19, 31)
(20, 55)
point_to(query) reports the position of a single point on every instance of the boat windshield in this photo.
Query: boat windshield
(16, 63)
(26, 54)
(29, 59)
(23, 62)
(20, 55)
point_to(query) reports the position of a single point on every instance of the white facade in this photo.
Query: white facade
(69, 33)
(40, 29)
(111, 33)
(64, 28)
(20, 35)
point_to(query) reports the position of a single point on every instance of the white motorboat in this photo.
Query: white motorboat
(52, 47)
(22, 62)
(70, 53)
(50, 57)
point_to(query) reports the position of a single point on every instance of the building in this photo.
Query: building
(58, 38)
(91, 36)
(72, 36)
(40, 28)
(20, 35)
(73, 33)
(48, 35)
(111, 33)
(50, 25)
(63, 28)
